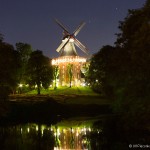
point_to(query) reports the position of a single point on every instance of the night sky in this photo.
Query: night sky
(32, 21)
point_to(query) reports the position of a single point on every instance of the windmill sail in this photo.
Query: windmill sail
(79, 28)
(81, 46)
(62, 26)
(64, 42)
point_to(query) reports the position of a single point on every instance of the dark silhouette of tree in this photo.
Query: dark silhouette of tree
(39, 70)
(122, 73)
(24, 51)
(8, 68)
(100, 68)
(134, 38)
(1, 38)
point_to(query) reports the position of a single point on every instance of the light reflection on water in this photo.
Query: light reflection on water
(34, 136)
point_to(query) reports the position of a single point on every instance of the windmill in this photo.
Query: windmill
(67, 47)
(69, 57)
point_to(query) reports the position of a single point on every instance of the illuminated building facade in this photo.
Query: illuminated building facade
(63, 63)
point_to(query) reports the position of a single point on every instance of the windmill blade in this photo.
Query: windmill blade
(62, 26)
(78, 28)
(81, 46)
(63, 44)
(60, 47)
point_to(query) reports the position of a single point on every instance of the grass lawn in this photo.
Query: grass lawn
(66, 91)
(73, 95)
(65, 95)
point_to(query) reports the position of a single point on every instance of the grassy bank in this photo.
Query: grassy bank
(74, 95)
(66, 91)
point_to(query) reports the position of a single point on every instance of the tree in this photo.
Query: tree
(8, 68)
(55, 75)
(100, 70)
(70, 73)
(39, 70)
(85, 70)
(1, 38)
(24, 51)
(134, 39)
(122, 72)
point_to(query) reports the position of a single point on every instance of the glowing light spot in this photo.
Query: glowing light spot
(20, 85)
(77, 134)
(21, 130)
(37, 128)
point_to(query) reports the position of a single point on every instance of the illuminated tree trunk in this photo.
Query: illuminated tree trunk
(70, 72)
(56, 72)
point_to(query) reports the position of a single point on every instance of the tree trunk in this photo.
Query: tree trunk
(70, 83)
(38, 88)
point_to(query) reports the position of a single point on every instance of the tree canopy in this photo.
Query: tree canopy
(135, 39)
(39, 70)
(24, 50)
(8, 67)
(122, 72)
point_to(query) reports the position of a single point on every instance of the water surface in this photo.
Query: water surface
(48, 137)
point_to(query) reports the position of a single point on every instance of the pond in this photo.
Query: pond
(48, 125)
(33, 136)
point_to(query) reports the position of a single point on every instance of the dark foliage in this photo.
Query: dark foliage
(122, 73)
(39, 70)
(8, 69)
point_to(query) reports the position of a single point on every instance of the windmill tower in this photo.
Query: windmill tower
(69, 62)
